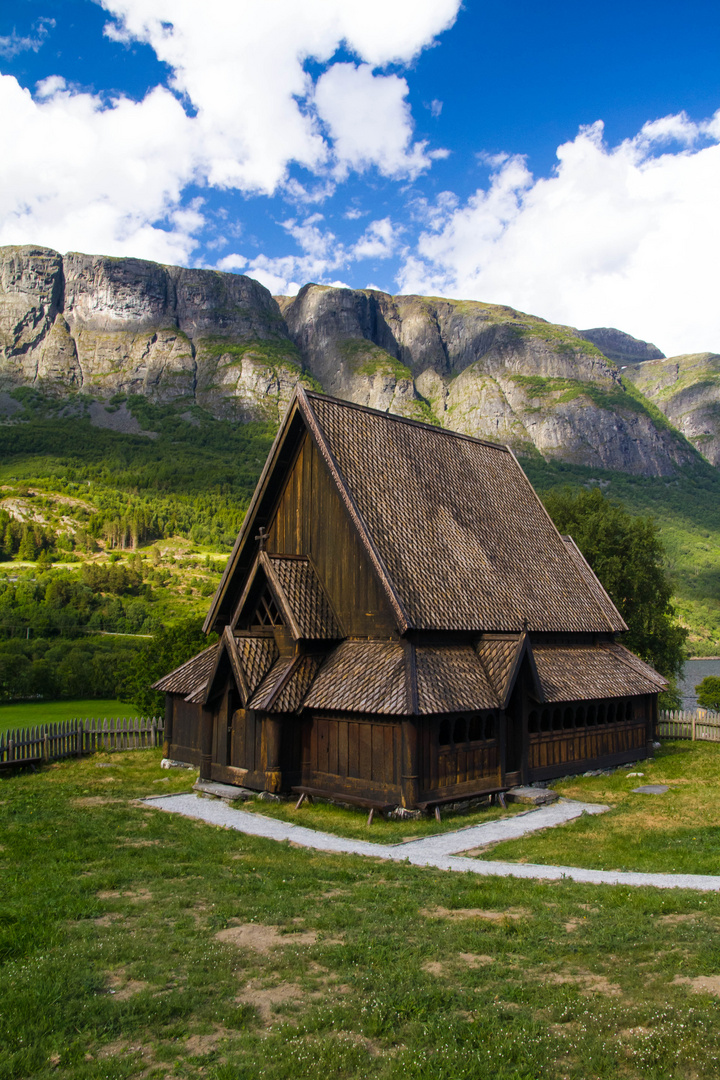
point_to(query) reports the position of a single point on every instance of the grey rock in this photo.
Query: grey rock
(687, 390)
(621, 347)
(651, 789)
(170, 763)
(229, 792)
(532, 796)
(400, 813)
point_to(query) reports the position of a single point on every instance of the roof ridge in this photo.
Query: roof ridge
(436, 428)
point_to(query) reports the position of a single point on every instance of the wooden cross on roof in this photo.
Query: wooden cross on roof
(262, 537)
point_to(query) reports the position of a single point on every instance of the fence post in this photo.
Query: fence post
(46, 746)
(693, 726)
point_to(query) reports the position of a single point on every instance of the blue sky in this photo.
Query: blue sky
(407, 145)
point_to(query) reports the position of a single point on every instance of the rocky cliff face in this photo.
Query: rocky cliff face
(687, 390)
(111, 327)
(480, 369)
(126, 326)
(620, 347)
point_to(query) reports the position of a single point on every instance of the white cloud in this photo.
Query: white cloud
(77, 171)
(233, 262)
(241, 64)
(369, 121)
(13, 44)
(621, 236)
(378, 242)
(321, 254)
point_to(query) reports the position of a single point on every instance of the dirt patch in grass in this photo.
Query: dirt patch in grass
(460, 914)
(440, 968)
(108, 919)
(572, 924)
(266, 999)
(588, 983)
(262, 938)
(435, 967)
(123, 988)
(701, 984)
(677, 920)
(196, 1045)
(137, 896)
(139, 843)
(474, 960)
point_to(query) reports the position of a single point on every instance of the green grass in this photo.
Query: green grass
(678, 832)
(22, 714)
(342, 821)
(139, 944)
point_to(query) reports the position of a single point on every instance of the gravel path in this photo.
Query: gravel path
(437, 851)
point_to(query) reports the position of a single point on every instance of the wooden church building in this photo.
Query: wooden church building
(402, 624)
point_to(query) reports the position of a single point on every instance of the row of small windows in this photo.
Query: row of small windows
(466, 729)
(481, 728)
(607, 712)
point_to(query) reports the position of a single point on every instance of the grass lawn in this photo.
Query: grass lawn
(139, 944)
(353, 823)
(31, 713)
(675, 832)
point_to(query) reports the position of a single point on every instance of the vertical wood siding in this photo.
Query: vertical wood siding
(310, 519)
(360, 754)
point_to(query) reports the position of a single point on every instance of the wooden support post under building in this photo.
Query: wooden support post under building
(168, 733)
(410, 788)
(206, 743)
(272, 731)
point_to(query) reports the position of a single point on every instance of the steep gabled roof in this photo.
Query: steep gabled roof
(451, 524)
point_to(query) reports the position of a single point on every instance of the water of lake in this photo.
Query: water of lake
(695, 672)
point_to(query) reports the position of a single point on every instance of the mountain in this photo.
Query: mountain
(107, 329)
(687, 390)
(621, 347)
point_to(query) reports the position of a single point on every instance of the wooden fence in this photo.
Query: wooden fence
(75, 737)
(689, 724)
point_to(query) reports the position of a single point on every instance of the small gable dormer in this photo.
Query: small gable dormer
(284, 592)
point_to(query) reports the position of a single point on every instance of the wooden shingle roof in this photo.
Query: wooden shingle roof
(395, 679)
(450, 679)
(305, 597)
(191, 678)
(582, 673)
(466, 542)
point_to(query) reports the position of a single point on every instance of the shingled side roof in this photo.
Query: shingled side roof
(465, 539)
(453, 527)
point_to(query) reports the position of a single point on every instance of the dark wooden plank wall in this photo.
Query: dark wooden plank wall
(185, 744)
(451, 765)
(358, 754)
(310, 519)
(246, 744)
(619, 732)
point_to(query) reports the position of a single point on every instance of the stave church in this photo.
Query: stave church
(401, 624)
